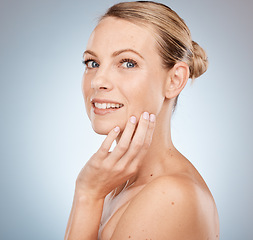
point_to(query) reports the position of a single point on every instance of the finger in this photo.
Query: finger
(138, 139)
(148, 139)
(140, 133)
(150, 131)
(107, 143)
(125, 139)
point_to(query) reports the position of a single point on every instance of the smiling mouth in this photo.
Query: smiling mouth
(107, 105)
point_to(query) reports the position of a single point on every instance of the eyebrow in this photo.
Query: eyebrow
(116, 53)
(89, 52)
(126, 50)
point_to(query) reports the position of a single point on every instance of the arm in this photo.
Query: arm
(104, 172)
(84, 218)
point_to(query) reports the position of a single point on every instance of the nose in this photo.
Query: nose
(101, 81)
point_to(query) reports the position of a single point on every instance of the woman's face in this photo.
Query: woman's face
(123, 76)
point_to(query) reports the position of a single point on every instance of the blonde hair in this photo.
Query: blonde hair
(172, 34)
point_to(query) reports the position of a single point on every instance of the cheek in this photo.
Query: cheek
(143, 93)
(155, 99)
(85, 85)
(86, 90)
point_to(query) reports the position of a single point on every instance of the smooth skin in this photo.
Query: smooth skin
(144, 188)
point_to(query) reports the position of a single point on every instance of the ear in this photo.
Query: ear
(177, 79)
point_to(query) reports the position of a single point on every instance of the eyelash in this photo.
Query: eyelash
(129, 60)
(85, 62)
(88, 60)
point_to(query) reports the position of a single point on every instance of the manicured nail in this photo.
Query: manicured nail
(133, 119)
(152, 118)
(146, 115)
(116, 129)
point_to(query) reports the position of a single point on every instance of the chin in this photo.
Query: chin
(103, 128)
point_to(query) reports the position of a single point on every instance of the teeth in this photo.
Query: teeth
(107, 105)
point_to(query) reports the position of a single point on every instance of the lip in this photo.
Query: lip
(99, 111)
(100, 100)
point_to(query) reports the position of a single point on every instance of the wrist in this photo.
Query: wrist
(86, 197)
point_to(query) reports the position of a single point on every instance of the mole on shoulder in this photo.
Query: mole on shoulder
(151, 174)
(172, 203)
(129, 236)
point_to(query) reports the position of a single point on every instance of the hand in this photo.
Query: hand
(107, 170)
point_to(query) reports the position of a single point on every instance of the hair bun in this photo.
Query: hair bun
(199, 62)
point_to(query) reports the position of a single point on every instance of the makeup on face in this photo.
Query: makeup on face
(123, 75)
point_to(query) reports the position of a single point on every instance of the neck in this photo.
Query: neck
(161, 146)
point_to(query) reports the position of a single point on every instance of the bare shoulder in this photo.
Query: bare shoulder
(170, 207)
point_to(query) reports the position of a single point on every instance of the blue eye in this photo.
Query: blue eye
(128, 63)
(91, 63)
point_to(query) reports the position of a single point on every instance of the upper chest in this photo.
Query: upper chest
(113, 210)
(109, 223)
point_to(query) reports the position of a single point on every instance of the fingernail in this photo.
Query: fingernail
(152, 118)
(133, 119)
(116, 129)
(146, 115)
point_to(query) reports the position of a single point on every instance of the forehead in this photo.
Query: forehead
(113, 34)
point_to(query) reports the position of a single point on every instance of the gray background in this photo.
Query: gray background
(46, 137)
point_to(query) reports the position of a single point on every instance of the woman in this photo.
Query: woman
(138, 60)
